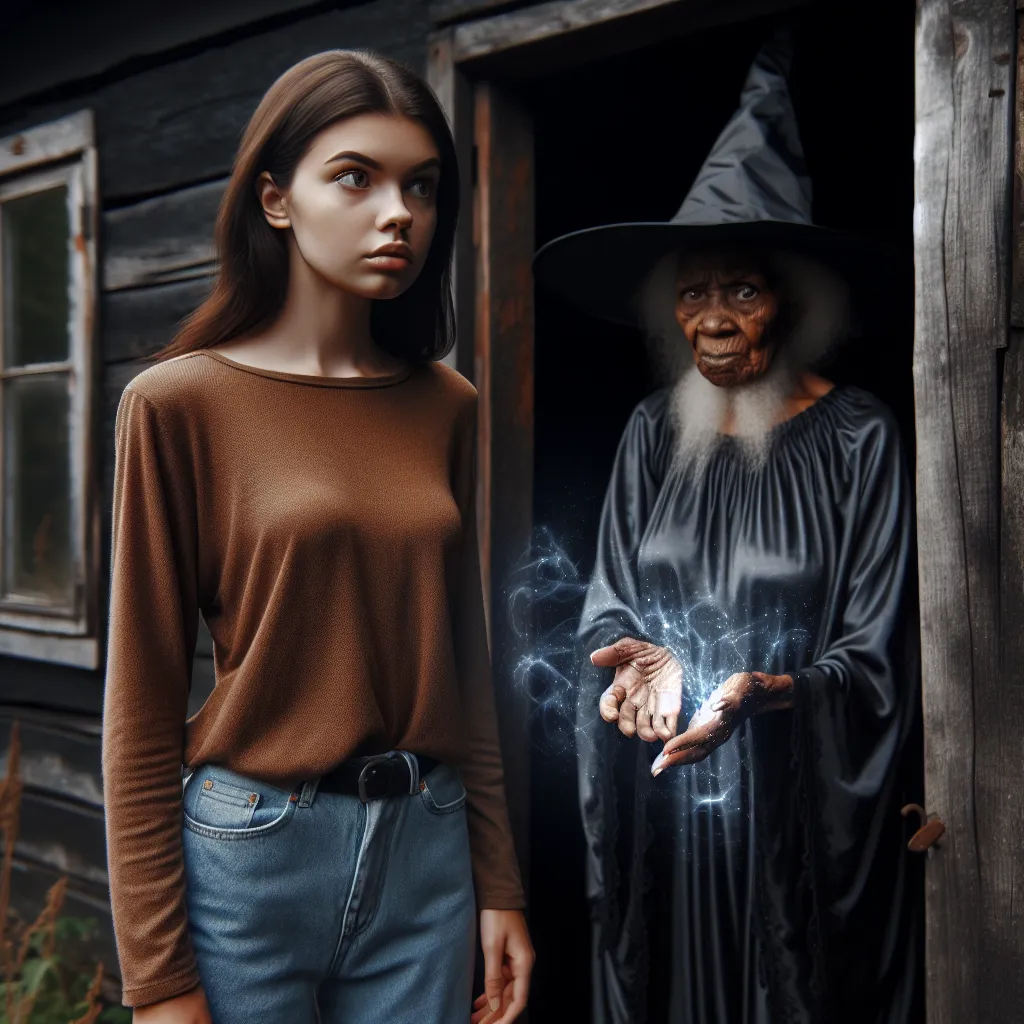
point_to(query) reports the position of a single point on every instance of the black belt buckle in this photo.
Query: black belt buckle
(375, 779)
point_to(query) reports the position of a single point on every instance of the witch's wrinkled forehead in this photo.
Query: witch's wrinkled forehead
(721, 264)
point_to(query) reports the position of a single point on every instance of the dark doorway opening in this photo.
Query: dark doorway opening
(622, 139)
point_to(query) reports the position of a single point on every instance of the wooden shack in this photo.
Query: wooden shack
(117, 130)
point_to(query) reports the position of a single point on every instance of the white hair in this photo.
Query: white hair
(812, 318)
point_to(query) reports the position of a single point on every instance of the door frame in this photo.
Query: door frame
(467, 65)
(968, 377)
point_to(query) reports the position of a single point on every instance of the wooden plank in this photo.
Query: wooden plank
(104, 39)
(455, 95)
(60, 754)
(138, 322)
(446, 12)
(31, 683)
(169, 238)
(1017, 288)
(504, 216)
(179, 123)
(961, 256)
(45, 143)
(583, 30)
(1006, 858)
(68, 838)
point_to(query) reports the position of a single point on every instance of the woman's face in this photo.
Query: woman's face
(362, 204)
(725, 308)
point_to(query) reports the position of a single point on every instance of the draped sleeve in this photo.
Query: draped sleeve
(612, 609)
(855, 707)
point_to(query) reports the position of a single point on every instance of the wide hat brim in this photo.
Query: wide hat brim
(600, 270)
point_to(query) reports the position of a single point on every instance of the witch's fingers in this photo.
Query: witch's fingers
(611, 701)
(627, 717)
(618, 652)
(692, 755)
(644, 726)
(693, 737)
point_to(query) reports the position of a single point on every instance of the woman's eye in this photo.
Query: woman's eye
(747, 292)
(354, 179)
(422, 189)
(692, 295)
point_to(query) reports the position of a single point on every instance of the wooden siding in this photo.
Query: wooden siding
(178, 124)
(974, 715)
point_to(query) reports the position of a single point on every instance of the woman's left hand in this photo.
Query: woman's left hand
(740, 696)
(508, 962)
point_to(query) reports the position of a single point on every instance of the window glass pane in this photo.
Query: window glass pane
(35, 274)
(37, 537)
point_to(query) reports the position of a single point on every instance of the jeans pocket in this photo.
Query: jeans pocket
(442, 791)
(222, 804)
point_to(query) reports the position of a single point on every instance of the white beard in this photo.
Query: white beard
(700, 410)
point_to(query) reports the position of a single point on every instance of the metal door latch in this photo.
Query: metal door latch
(931, 830)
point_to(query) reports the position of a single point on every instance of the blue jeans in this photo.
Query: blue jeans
(307, 906)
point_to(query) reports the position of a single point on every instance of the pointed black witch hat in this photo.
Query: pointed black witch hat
(752, 192)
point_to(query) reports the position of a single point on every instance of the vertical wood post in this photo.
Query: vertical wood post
(974, 772)
(504, 242)
(455, 95)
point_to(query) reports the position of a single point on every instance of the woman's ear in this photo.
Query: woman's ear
(273, 202)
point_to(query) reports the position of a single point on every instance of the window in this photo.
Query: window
(48, 516)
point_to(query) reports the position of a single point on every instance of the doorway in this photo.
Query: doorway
(620, 137)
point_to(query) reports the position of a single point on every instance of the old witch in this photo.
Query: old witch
(754, 555)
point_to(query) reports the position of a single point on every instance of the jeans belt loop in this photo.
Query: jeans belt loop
(414, 771)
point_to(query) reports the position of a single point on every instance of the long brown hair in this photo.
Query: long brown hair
(252, 275)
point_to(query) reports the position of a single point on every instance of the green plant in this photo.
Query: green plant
(43, 981)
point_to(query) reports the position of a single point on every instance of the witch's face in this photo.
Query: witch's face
(725, 307)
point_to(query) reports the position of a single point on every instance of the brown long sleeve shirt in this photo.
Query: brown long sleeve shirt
(325, 528)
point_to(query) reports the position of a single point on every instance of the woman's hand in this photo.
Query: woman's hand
(647, 691)
(508, 962)
(740, 696)
(190, 1008)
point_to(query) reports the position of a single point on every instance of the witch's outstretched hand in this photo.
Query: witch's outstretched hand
(646, 693)
(741, 695)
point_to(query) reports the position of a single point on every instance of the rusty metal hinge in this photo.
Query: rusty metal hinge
(931, 830)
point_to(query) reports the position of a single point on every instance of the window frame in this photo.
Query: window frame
(62, 152)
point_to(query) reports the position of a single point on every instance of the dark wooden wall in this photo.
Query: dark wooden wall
(167, 128)
(967, 368)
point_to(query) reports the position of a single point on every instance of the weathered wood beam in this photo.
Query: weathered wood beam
(446, 12)
(504, 236)
(455, 95)
(179, 123)
(60, 753)
(621, 24)
(962, 178)
(137, 322)
(168, 238)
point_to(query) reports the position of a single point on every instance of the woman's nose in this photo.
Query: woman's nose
(394, 213)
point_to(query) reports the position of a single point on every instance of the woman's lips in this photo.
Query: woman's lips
(389, 261)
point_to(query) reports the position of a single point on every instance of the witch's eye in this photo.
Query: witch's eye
(691, 295)
(354, 179)
(747, 292)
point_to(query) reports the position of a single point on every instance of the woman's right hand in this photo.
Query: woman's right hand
(190, 1008)
(647, 692)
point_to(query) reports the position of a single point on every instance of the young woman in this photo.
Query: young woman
(298, 468)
